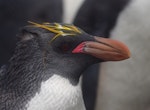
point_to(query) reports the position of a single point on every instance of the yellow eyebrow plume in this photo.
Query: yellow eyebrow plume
(58, 29)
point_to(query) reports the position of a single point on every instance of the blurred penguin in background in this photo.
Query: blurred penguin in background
(15, 14)
(126, 85)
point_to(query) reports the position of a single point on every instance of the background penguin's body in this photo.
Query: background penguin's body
(15, 14)
(126, 85)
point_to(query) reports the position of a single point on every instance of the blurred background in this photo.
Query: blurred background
(123, 85)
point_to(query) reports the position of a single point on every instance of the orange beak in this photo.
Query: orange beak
(105, 49)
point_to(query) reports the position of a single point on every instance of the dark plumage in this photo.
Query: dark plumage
(98, 17)
(41, 54)
(15, 13)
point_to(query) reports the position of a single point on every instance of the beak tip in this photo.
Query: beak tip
(128, 54)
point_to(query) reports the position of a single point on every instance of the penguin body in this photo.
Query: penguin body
(125, 85)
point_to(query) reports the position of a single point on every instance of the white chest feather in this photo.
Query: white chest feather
(57, 93)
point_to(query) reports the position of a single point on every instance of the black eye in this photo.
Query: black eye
(64, 47)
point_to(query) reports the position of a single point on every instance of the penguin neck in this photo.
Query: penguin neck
(30, 61)
(23, 76)
(25, 67)
(20, 83)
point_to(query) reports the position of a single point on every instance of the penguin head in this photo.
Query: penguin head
(68, 49)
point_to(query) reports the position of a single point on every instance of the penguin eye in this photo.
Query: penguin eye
(65, 47)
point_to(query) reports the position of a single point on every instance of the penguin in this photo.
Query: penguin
(125, 85)
(45, 69)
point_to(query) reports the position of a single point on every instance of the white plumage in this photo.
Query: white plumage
(57, 93)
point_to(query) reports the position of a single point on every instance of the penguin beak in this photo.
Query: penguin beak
(104, 49)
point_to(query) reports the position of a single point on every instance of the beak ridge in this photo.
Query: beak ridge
(107, 49)
(104, 49)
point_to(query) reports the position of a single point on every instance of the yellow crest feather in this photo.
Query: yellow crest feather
(58, 29)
